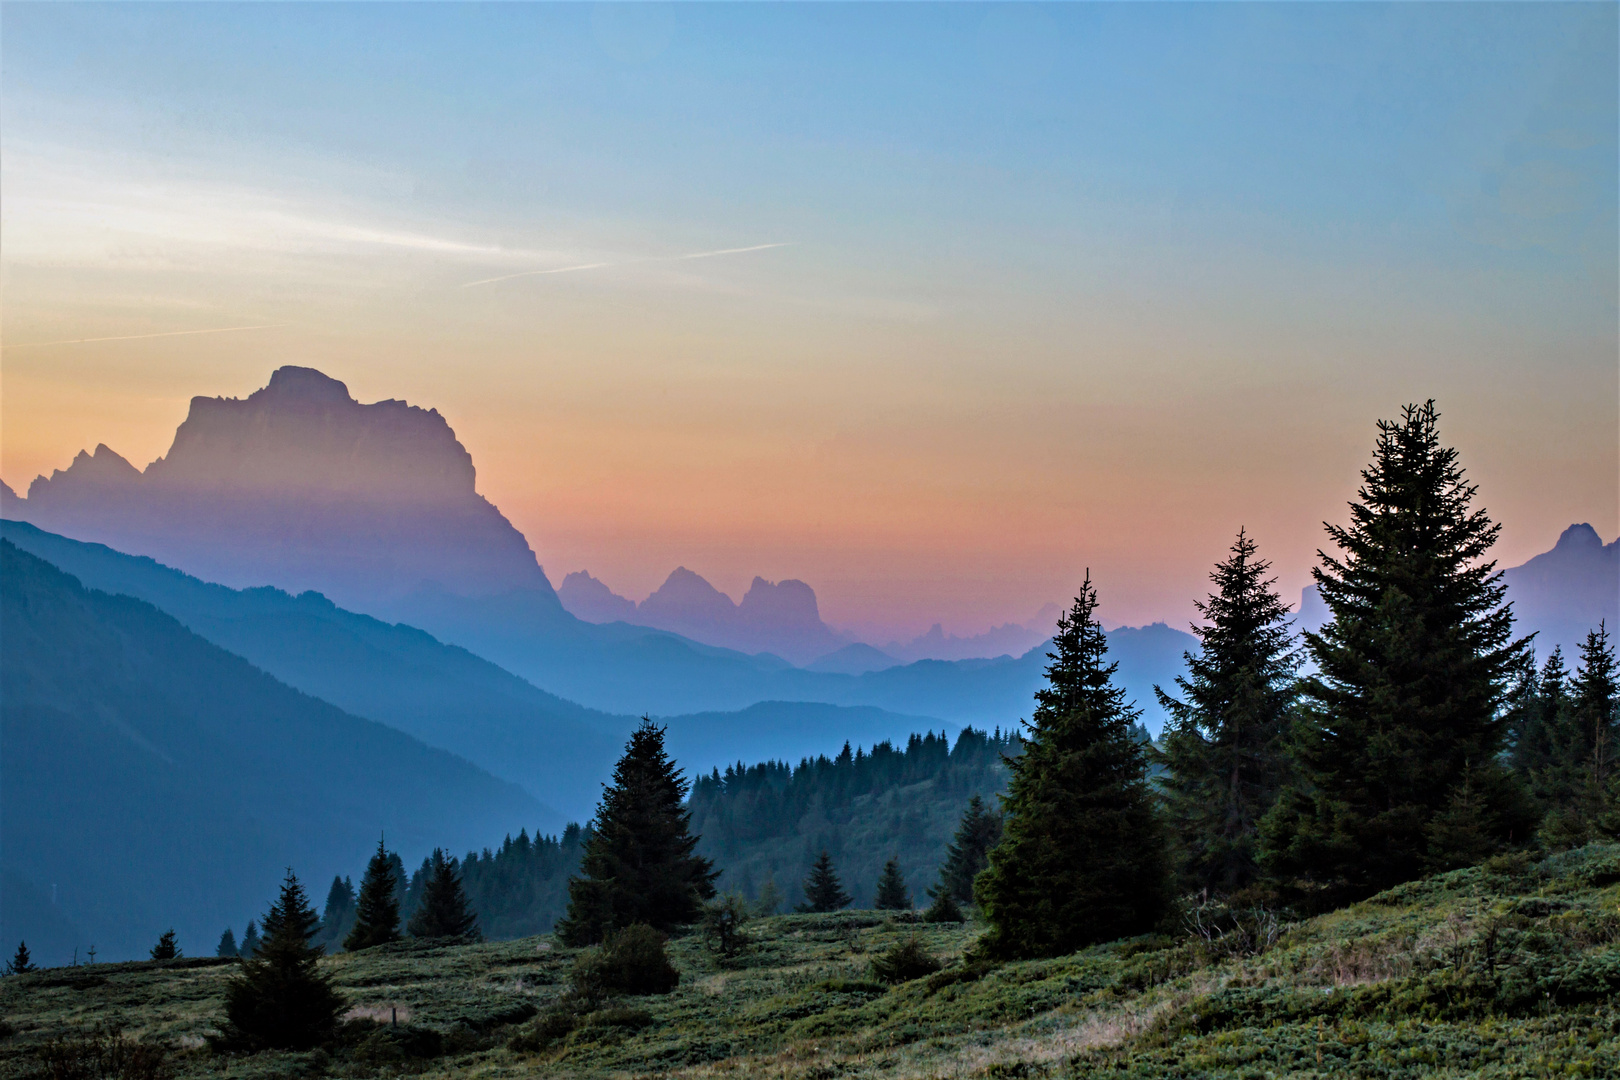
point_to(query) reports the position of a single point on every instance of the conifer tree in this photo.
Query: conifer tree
(1579, 778)
(1412, 673)
(1224, 746)
(444, 912)
(1535, 711)
(167, 947)
(969, 852)
(1082, 855)
(250, 939)
(770, 899)
(280, 999)
(638, 865)
(20, 963)
(892, 894)
(376, 911)
(822, 889)
(227, 946)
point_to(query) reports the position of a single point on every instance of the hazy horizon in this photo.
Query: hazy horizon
(930, 307)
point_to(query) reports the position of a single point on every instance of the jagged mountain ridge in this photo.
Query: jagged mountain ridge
(301, 487)
(778, 617)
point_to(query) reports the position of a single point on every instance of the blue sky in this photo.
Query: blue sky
(1028, 249)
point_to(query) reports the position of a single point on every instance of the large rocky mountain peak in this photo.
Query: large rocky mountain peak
(301, 486)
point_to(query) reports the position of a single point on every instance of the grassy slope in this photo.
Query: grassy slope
(1512, 973)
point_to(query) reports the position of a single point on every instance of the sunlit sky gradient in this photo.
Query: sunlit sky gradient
(1055, 287)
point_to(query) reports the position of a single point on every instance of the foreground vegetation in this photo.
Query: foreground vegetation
(1508, 969)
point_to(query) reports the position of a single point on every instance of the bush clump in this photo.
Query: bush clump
(630, 961)
(103, 1054)
(903, 962)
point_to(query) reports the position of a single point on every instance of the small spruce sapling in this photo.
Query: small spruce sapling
(892, 894)
(444, 911)
(822, 889)
(167, 947)
(20, 963)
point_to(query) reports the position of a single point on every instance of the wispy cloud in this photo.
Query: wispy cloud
(137, 337)
(626, 262)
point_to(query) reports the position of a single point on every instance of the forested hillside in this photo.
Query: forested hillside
(767, 822)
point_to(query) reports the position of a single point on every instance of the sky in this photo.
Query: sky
(933, 307)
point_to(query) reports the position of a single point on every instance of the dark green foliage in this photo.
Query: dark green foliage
(167, 947)
(822, 889)
(338, 915)
(1578, 780)
(1535, 710)
(250, 939)
(227, 945)
(1082, 856)
(630, 961)
(1223, 748)
(521, 888)
(903, 962)
(280, 999)
(20, 963)
(723, 922)
(638, 865)
(769, 820)
(443, 911)
(376, 909)
(977, 832)
(944, 909)
(892, 894)
(1406, 716)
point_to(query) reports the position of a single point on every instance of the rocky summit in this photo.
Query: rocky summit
(302, 487)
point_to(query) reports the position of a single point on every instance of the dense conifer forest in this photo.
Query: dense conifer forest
(766, 823)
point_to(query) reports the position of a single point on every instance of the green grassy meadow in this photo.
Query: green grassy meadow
(1506, 970)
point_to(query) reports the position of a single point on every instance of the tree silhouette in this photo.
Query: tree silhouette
(822, 889)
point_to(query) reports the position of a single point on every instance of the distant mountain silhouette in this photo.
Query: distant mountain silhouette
(780, 618)
(301, 487)
(856, 659)
(151, 779)
(373, 506)
(1563, 593)
(1558, 595)
(393, 674)
(1006, 639)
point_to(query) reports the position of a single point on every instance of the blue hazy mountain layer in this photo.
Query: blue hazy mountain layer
(621, 668)
(149, 778)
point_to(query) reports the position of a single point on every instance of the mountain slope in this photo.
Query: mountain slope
(149, 778)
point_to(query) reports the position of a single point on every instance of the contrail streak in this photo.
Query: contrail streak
(626, 262)
(138, 337)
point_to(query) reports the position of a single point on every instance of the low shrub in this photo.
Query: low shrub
(944, 909)
(630, 961)
(103, 1054)
(551, 1026)
(904, 962)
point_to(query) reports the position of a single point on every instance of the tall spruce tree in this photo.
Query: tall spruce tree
(1224, 748)
(280, 999)
(1405, 716)
(227, 949)
(250, 939)
(444, 911)
(891, 894)
(1082, 854)
(638, 865)
(376, 910)
(822, 890)
(969, 852)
